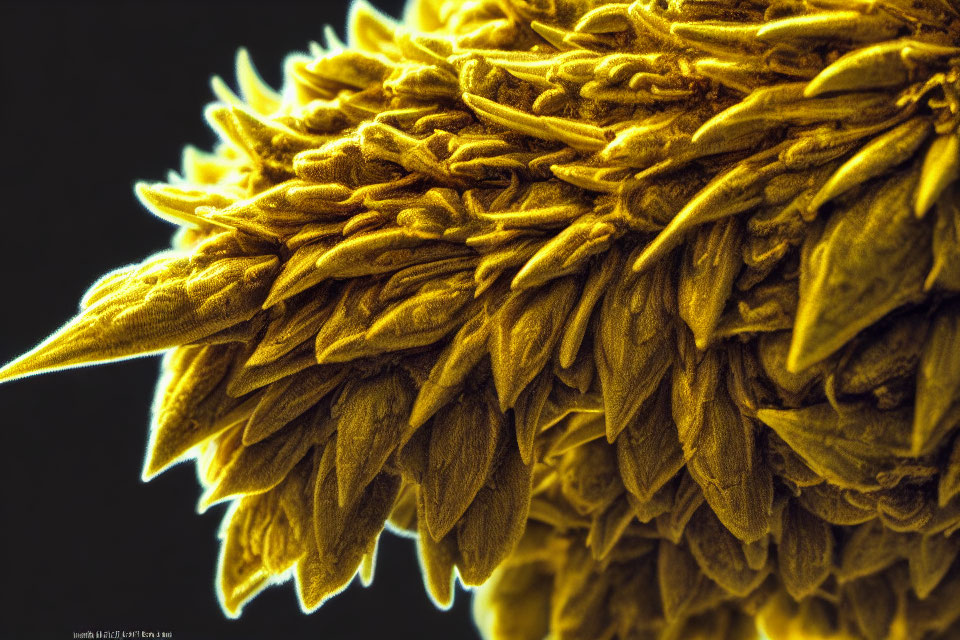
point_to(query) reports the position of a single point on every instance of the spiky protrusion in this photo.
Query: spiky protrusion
(643, 316)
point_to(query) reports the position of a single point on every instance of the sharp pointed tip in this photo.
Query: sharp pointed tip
(615, 424)
(418, 416)
(348, 489)
(643, 262)
(153, 468)
(46, 357)
(526, 455)
(799, 357)
(271, 300)
(812, 90)
(525, 447)
(821, 198)
(506, 398)
(13, 371)
(207, 500)
(437, 527)
(259, 357)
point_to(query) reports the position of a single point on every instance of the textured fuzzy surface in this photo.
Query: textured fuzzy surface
(644, 317)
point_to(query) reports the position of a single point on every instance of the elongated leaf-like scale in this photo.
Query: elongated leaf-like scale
(179, 204)
(849, 445)
(930, 561)
(264, 465)
(949, 485)
(805, 551)
(186, 408)
(720, 555)
(941, 167)
(718, 444)
(528, 410)
(710, 265)
(882, 153)
(438, 558)
(851, 25)
(463, 441)
(298, 272)
(494, 522)
(168, 301)
(845, 284)
(291, 329)
(581, 136)
(648, 451)
(289, 397)
(523, 334)
(945, 271)
(241, 571)
(341, 536)
(452, 367)
(629, 349)
(683, 587)
(371, 417)
(875, 66)
(829, 503)
(579, 320)
(424, 318)
(937, 407)
(733, 192)
(873, 601)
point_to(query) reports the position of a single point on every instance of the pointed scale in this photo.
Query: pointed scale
(342, 535)
(941, 167)
(711, 262)
(877, 66)
(438, 559)
(732, 192)
(288, 398)
(648, 451)
(371, 416)
(451, 369)
(937, 406)
(463, 441)
(881, 154)
(945, 272)
(495, 520)
(850, 446)
(868, 261)
(528, 411)
(254, 91)
(262, 466)
(805, 552)
(631, 342)
(567, 252)
(166, 302)
(524, 333)
(242, 571)
(189, 398)
(684, 590)
(596, 283)
(720, 555)
(297, 324)
(427, 316)
(719, 445)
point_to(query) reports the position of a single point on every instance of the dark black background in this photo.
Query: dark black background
(94, 96)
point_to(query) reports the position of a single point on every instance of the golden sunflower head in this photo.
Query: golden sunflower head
(645, 317)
